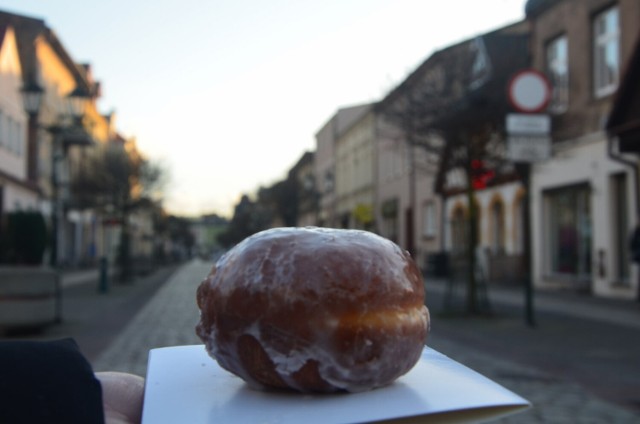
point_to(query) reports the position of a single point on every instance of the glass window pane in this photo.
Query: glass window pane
(606, 67)
(558, 72)
(570, 231)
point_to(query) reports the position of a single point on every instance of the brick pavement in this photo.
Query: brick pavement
(170, 317)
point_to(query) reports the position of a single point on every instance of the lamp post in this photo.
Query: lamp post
(63, 135)
(32, 95)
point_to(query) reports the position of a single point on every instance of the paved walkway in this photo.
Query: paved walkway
(613, 311)
(77, 277)
(170, 317)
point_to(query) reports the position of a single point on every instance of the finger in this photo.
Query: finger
(122, 397)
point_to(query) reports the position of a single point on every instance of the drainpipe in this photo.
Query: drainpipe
(633, 166)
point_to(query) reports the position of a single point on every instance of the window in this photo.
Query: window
(328, 181)
(497, 226)
(18, 137)
(390, 228)
(558, 73)
(429, 219)
(620, 203)
(390, 219)
(458, 230)
(606, 55)
(13, 136)
(518, 223)
(481, 68)
(569, 249)
(3, 130)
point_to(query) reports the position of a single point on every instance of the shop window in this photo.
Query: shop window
(569, 237)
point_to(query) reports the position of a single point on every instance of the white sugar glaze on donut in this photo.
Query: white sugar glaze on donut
(349, 303)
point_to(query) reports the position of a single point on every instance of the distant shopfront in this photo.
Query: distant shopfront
(569, 233)
(582, 202)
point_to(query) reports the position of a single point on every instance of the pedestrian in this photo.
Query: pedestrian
(52, 382)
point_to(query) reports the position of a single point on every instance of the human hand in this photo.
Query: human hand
(122, 397)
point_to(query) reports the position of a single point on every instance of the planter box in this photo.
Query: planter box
(29, 297)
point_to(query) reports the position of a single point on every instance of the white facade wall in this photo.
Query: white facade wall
(510, 195)
(324, 164)
(354, 168)
(17, 198)
(392, 179)
(13, 118)
(325, 159)
(13, 137)
(583, 161)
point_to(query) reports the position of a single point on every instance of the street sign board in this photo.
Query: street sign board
(525, 123)
(528, 148)
(529, 91)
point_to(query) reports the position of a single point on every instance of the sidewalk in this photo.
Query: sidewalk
(613, 311)
(95, 318)
(170, 317)
(71, 278)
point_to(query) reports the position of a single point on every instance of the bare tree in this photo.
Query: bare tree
(116, 181)
(452, 109)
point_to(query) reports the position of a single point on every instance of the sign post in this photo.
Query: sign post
(528, 141)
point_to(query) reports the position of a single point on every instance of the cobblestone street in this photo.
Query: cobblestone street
(169, 318)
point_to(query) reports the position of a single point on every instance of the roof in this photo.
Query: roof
(3, 31)
(345, 118)
(534, 8)
(27, 31)
(469, 92)
(305, 159)
(504, 50)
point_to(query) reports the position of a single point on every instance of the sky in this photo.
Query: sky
(228, 95)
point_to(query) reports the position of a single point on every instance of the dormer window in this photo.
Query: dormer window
(481, 68)
(606, 55)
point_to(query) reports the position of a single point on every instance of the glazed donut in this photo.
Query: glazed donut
(314, 310)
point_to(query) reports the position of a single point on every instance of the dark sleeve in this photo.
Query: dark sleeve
(47, 382)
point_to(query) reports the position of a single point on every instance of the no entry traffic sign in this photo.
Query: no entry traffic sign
(529, 91)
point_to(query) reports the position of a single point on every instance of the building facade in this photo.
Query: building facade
(325, 162)
(355, 163)
(47, 142)
(583, 198)
(16, 191)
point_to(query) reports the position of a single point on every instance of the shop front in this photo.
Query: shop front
(581, 209)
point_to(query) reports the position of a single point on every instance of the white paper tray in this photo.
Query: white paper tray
(184, 385)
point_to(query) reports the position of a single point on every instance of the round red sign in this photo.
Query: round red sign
(529, 91)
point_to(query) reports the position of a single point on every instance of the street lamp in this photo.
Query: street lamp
(63, 135)
(32, 97)
(77, 103)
